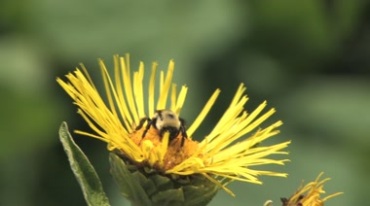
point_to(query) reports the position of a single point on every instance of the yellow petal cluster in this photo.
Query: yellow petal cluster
(231, 151)
(310, 194)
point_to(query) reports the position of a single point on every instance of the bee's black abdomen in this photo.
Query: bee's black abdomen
(172, 130)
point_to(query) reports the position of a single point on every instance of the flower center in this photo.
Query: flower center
(174, 153)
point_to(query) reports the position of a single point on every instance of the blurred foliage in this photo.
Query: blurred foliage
(309, 59)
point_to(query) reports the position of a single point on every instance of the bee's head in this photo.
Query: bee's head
(166, 119)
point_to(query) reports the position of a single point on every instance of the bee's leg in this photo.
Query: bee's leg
(183, 132)
(141, 123)
(182, 141)
(150, 122)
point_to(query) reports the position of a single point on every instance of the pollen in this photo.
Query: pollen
(175, 153)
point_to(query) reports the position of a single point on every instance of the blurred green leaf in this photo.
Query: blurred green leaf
(83, 170)
(332, 108)
(168, 30)
(28, 107)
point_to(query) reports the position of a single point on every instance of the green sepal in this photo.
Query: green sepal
(131, 184)
(145, 186)
(83, 170)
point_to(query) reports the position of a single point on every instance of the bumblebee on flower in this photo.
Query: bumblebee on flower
(166, 121)
(150, 133)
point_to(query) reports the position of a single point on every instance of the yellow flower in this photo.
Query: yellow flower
(224, 155)
(309, 194)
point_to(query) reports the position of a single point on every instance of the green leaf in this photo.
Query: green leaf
(169, 197)
(143, 186)
(200, 192)
(130, 183)
(83, 170)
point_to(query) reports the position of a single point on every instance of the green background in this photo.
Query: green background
(310, 59)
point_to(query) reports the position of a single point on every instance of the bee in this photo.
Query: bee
(285, 201)
(165, 121)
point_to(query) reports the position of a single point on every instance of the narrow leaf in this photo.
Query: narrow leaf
(83, 170)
